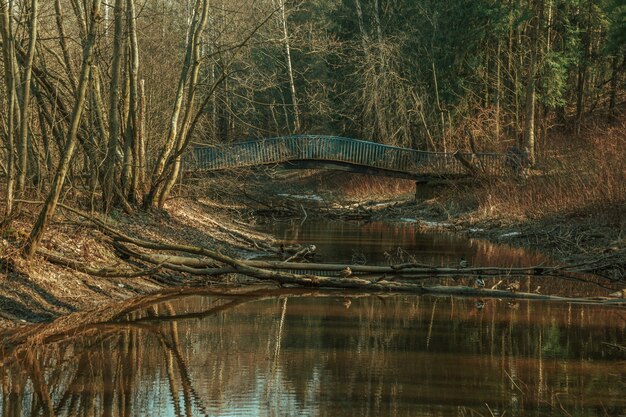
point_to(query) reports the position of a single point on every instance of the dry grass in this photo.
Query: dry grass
(584, 176)
(366, 187)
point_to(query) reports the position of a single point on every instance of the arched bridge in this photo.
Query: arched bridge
(331, 152)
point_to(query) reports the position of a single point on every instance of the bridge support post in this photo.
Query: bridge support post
(420, 185)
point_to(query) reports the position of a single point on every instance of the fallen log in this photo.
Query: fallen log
(175, 263)
(384, 285)
(209, 266)
(262, 270)
(468, 165)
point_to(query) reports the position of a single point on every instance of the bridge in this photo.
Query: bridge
(332, 152)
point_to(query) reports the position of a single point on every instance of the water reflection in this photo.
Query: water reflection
(297, 354)
(382, 243)
(377, 241)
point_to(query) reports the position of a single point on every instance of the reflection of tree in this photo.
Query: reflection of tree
(102, 378)
(381, 356)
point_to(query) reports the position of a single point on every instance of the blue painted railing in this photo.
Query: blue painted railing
(338, 149)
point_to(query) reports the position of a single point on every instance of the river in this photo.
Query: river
(293, 352)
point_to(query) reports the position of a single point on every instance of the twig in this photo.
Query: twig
(496, 285)
(304, 211)
(556, 395)
(300, 254)
(98, 272)
(616, 346)
(513, 382)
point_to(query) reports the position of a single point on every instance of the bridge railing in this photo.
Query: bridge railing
(337, 149)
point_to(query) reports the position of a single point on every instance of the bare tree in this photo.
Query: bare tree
(8, 52)
(49, 207)
(114, 112)
(24, 116)
(188, 79)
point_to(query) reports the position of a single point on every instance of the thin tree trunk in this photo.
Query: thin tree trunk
(615, 77)
(379, 30)
(66, 54)
(440, 109)
(108, 193)
(498, 95)
(364, 37)
(140, 135)
(133, 117)
(8, 52)
(292, 84)
(127, 159)
(529, 131)
(24, 116)
(33, 241)
(91, 143)
(170, 142)
(583, 69)
(170, 174)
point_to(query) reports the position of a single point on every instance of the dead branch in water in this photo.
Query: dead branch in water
(257, 269)
(209, 267)
(216, 263)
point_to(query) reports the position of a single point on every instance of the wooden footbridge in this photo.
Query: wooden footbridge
(331, 152)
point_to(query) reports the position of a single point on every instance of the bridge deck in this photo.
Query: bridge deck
(340, 150)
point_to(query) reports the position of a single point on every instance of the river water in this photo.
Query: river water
(296, 352)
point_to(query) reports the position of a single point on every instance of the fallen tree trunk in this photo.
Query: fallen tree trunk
(358, 283)
(278, 271)
(209, 267)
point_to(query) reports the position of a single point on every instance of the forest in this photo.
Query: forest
(106, 97)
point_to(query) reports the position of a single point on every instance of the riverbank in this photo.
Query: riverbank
(43, 288)
(570, 206)
(573, 212)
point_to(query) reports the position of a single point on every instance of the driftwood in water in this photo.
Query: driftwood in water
(209, 266)
(279, 271)
(352, 282)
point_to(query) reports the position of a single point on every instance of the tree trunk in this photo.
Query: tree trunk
(529, 130)
(379, 30)
(8, 52)
(108, 193)
(141, 116)
(24, 116)
(292, 84)
(133, 128)
(158, 174)
(583, 69)
(49, 207)
(62, 42)
(172, 164)
(614, 86)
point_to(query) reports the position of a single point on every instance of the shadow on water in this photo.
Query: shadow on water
(317, 353)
